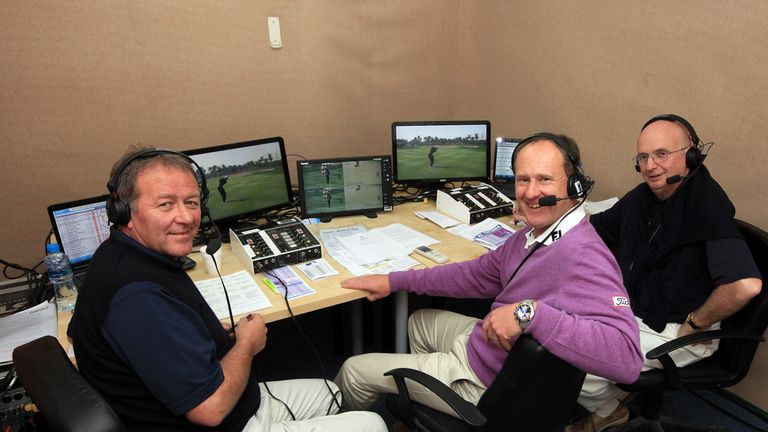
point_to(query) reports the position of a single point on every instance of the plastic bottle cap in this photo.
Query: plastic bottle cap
(52, 247)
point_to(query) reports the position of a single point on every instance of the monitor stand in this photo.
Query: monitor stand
(326, 219)
(372, 215)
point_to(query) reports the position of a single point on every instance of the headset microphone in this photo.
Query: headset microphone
(550, 200)
(213, 246)
(675, 179)
(577, 191)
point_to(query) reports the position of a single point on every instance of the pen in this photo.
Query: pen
(232, 329)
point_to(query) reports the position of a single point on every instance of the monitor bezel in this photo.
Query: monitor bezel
(438, 181)
(386, 187)
(234, 219)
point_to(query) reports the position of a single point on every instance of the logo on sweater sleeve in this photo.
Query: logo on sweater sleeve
(620, 301)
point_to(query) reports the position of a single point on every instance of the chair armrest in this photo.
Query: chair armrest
(466, 411)
(662, 351)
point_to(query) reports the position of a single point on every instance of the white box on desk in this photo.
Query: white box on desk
(485, 199)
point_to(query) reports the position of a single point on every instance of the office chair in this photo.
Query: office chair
(64, 398)
(739, 337)
(534, 391)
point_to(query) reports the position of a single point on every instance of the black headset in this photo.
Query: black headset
(694, 156)
(578, 183)
(119, 211)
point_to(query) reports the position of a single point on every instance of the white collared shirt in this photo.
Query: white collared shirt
(562, 225)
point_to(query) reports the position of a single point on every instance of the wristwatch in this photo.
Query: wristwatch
(690, 322)
(524, 313)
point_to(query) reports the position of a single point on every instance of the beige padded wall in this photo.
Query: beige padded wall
(82, 80)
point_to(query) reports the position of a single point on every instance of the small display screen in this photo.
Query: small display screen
(503, 170)
(345, 186)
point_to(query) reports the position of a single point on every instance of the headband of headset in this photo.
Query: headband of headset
(694, 156)
(578, 183)
(677, 119)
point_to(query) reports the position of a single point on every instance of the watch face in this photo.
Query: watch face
(524, 312)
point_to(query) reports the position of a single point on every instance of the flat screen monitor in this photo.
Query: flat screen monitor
(345, 186)
(245, 179)
(503, 171)
(80, 227)
(432, 153)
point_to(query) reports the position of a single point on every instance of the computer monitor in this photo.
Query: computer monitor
(503, 171)
(429, 154)
(80, 227)
(245, 179)
(345, 186)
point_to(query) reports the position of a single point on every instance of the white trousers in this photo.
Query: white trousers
(438, 341)
(311, 402)
(601, 396)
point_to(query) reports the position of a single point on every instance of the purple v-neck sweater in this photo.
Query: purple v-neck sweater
(582, 312)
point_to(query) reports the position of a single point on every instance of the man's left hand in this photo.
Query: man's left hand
(500, 326)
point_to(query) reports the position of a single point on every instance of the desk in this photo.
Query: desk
(328, 291)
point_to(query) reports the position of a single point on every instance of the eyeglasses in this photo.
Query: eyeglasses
(659, 156)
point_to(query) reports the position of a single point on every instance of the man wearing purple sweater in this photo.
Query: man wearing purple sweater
(555, 280)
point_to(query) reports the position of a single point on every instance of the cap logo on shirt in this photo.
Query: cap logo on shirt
(620, 301)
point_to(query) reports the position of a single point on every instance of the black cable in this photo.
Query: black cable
(293, 416)
(37, 281)
(536, 246)
(24, 271)
(226, 296)
(8, 381)
(309, 342)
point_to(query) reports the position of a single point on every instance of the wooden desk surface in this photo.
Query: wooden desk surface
(328, 290)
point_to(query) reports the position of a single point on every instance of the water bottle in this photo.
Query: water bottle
(60, 275)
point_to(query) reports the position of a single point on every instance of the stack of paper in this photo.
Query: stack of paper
(244, 295)
(284, 277)
(494, 237)
(378, 251)
(489, 233)
(26, 326)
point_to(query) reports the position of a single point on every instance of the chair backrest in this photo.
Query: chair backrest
(535, 390)
(736, 354)
(66, 400)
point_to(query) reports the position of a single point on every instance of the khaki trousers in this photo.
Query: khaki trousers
(438, 342)
(601, 396)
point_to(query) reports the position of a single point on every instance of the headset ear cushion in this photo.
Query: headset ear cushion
(693, 157)
(637, 167)
(118, 212)
(576, 186)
